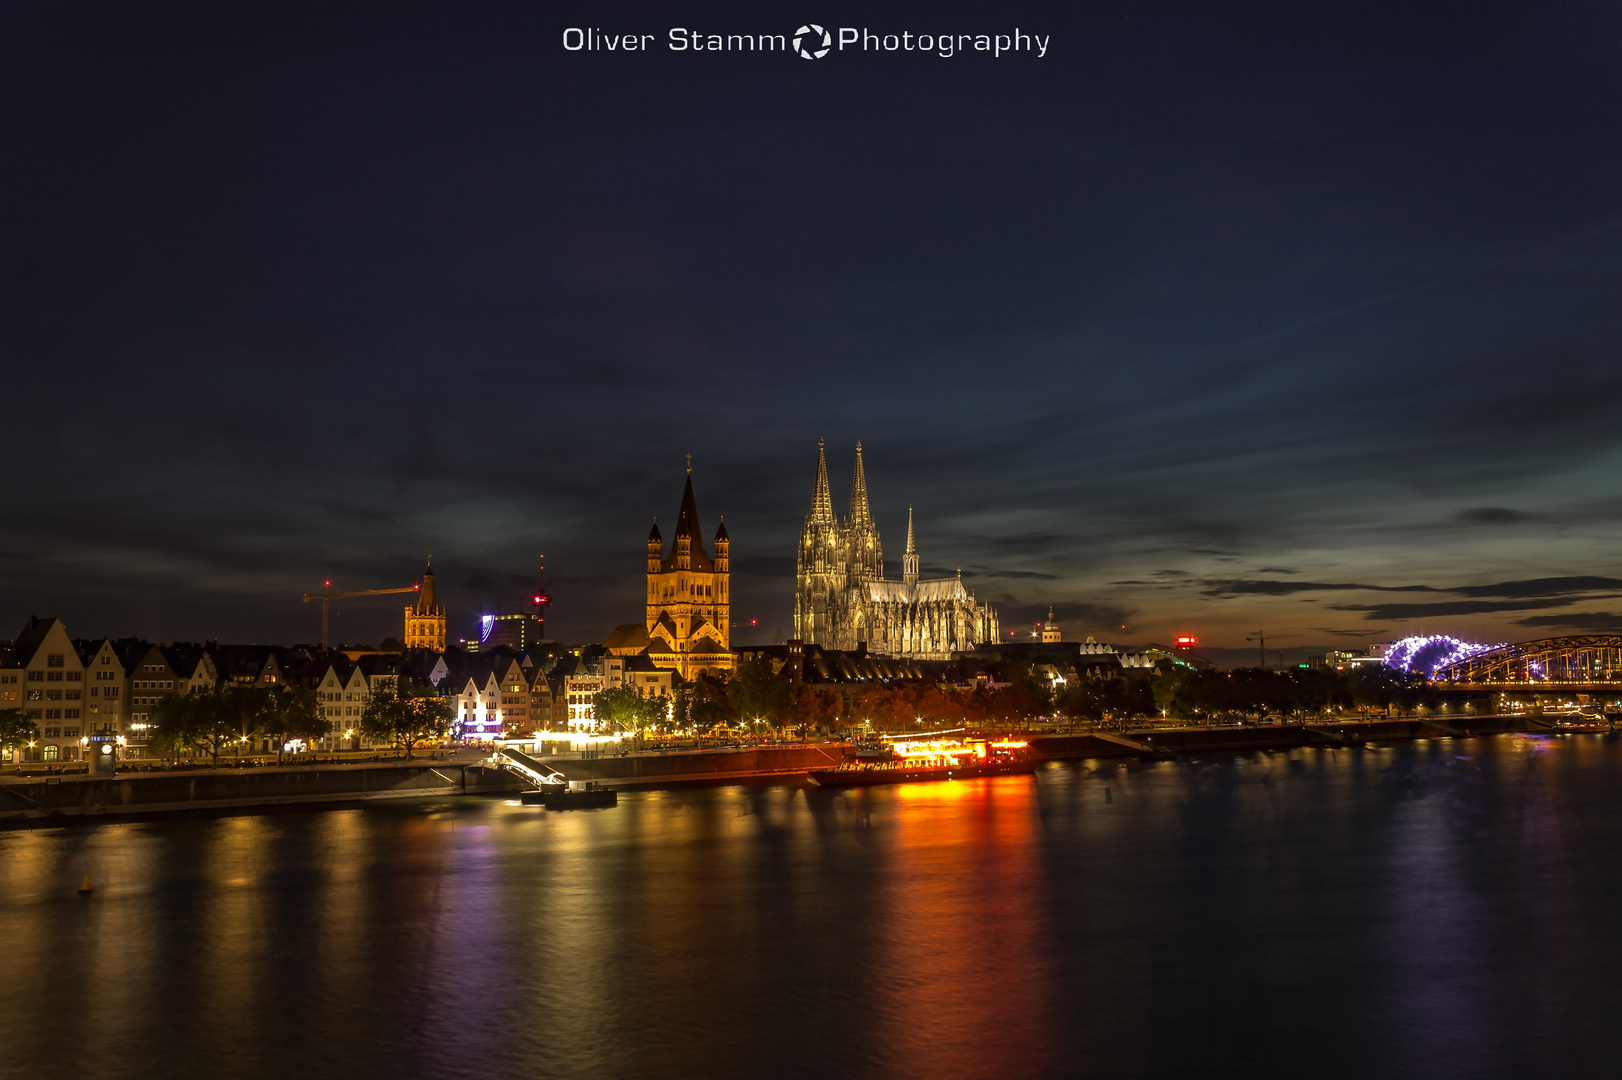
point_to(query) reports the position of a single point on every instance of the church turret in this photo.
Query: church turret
(723, 546)
(909, 561)
(656, 547)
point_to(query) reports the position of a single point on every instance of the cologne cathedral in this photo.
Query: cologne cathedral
(842, 599)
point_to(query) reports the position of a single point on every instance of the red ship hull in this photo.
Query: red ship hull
(887, 774)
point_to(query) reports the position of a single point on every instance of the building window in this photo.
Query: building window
(53, 676)
(51, 752)
(53, 660)
(36, 676)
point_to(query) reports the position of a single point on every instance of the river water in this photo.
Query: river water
(1444, 908)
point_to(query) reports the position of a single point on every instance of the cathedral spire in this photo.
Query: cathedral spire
(909, 561)
(822, 503)
(859, 513)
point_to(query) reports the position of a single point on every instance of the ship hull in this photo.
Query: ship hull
(922, 774)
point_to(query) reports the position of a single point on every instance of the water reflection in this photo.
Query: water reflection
(1439, 907)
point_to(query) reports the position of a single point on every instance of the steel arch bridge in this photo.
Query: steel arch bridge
(1585, 661)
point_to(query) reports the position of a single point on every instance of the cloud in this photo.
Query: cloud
(1263, 587)
(1553, 586)
(1090, 616)
(1018, 574)
(1581, 620)
(1381, 612)
(1363, 633)
(1492, 515)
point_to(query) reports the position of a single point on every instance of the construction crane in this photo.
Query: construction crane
(1260, 638)
(328, 596)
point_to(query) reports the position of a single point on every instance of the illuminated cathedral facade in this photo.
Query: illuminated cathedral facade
(843, 600)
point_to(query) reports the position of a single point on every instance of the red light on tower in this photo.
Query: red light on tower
(1186, 641)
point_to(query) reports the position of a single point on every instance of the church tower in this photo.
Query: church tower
(864, 555)
(820, 571)
(689, 607)
(425, 620)
(909, 561)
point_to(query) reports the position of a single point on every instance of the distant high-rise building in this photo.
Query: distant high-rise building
(425, 620)
(842, 599)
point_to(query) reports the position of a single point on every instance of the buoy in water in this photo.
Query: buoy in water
(86, 886)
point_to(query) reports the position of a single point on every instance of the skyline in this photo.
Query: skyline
(1201, 322)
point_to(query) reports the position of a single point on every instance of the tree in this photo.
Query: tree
(812, 707)
(16, 730)
(286, 714)
(201, 721)
(406, 713)
(624, 706)
(704, 703)
(758, 690)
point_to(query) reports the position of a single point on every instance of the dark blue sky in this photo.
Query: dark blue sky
(1217, 316)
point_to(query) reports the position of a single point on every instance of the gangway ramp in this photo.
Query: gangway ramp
(1122, 740)
(538, 773)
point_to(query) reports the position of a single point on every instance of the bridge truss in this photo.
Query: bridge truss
(1561, 663)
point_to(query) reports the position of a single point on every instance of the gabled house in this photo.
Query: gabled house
(46, 672)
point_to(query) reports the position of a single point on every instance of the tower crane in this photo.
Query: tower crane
(328, 596)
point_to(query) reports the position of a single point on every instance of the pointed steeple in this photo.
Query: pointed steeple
(909, 561)
(822, 503)
(689, 538)
(859, 513)
(427, 598)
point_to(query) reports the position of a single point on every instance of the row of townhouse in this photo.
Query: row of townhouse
(496, 693)
(505, 691)
(77, 690)
(579, 678)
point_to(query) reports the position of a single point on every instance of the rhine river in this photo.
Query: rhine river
(1445, 908)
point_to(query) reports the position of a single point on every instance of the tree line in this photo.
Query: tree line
(208, 721)
(761, 691)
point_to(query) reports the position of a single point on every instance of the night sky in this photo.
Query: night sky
(1215, 318)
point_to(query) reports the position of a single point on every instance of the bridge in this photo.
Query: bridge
(1579, 664)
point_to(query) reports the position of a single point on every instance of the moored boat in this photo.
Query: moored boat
(912, 761)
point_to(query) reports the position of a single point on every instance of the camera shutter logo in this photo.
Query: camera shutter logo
(809, 49)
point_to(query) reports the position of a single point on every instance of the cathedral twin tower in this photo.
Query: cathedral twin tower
(842, 599)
